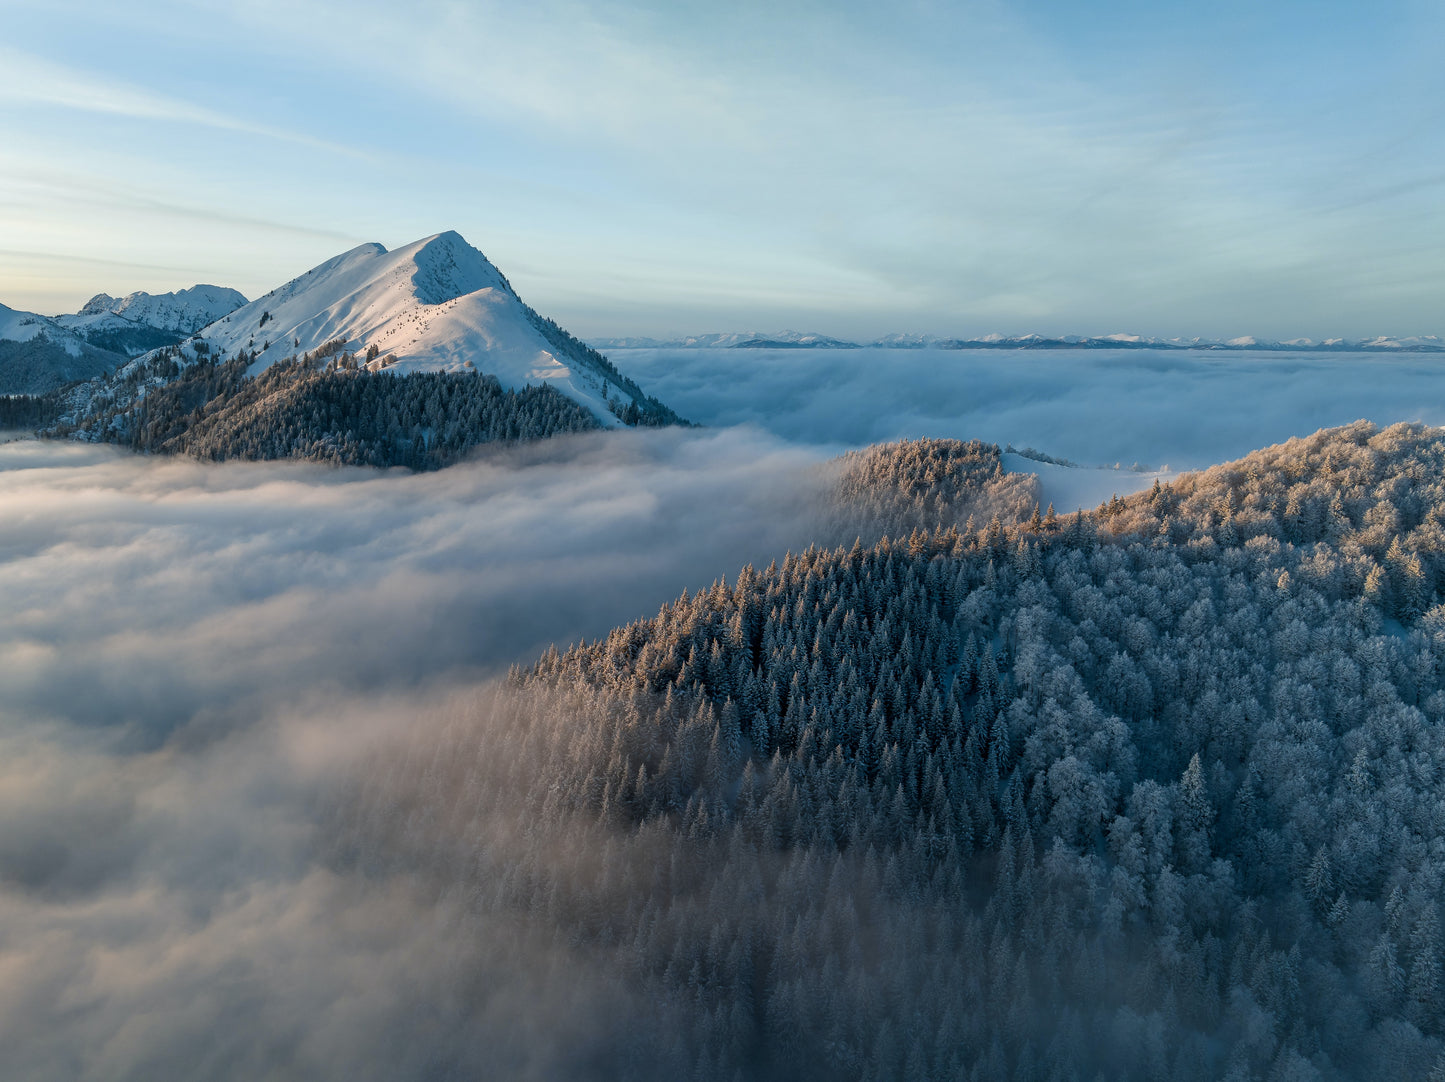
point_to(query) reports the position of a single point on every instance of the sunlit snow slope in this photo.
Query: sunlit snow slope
(436, 305)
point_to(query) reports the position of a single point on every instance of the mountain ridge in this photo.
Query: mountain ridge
(39, 353)
(797, 340)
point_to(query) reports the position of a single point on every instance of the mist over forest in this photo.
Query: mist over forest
(368, 715)
(910, 776)
(191, 653)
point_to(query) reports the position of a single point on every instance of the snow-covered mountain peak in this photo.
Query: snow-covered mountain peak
(367, 296)
(436, 304)
(429, 271)
(448, 267)
(97, 305)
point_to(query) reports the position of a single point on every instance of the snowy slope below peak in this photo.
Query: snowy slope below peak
(436, 305)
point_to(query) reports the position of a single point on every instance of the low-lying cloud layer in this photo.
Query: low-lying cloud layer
(1184, 410)
(155, 594)
(193, 654)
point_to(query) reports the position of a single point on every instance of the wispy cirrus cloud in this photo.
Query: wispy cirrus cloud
(30, 80)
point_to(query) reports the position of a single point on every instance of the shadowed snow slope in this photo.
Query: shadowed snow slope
(436, 305)
(39, 355)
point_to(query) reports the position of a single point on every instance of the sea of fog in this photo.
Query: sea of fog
(191, 654)
(1154, 408)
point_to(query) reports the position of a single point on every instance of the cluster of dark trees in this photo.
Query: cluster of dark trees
(39, 367)
(1147, 793)
(326, 407)
(129, 341)
(29, 410)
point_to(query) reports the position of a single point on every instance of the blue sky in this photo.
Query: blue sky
(1164, 168)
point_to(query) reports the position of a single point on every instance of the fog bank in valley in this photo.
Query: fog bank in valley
(192, 655)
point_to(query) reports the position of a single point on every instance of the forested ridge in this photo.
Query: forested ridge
(325, 406)
(1152, 792)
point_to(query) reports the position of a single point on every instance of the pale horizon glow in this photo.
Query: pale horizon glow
(663, 169)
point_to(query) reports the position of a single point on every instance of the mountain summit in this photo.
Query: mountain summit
(381, 358)
(436, 305)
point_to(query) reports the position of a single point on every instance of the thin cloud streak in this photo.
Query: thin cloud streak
(30, 80)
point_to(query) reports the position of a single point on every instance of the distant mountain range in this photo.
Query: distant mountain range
(796, 340)
(41, 353)
(748, 340)
(130, 324)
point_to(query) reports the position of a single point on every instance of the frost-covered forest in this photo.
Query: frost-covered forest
(1148, 793)
(895, 489)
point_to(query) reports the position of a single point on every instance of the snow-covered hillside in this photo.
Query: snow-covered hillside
(44, 353)
(37, 354)
(436, 305)
(27, 326)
